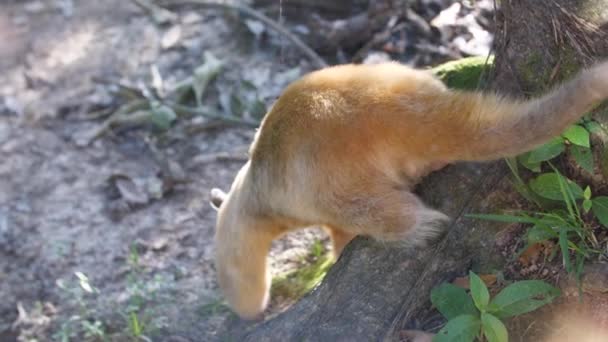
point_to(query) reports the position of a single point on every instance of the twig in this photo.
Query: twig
(316, 59)
(376, 39)
(159, 14)
(219, 156)
(125, 89)
(210, 113)
(119, 116)
(207, 126)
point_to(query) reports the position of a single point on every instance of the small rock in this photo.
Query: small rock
(159, 244)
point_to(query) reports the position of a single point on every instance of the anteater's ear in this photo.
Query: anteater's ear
(216, 198)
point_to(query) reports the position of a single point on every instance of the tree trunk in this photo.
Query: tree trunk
(376, 290)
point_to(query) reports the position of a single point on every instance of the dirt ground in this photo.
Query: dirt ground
(57, 214)
(112, 240)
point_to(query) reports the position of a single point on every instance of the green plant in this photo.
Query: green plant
(84, 322)
(475, 315)
(297, 283)
(140, 319)
(565, 211)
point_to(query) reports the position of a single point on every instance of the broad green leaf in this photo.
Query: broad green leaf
(587, 205)
(522, 297)
(540, 233)
(545, 152)
(593, 127)
(162, 116)
(524, 161)
(463, 328)
(547, 186)
(479, 291)
(583, 157)
(452, 301)
(493, 328)
(577, 135)
(600, 209)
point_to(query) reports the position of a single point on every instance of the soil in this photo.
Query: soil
(78, 259)
(57, 213)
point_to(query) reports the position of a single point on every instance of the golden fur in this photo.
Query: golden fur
(343, 146)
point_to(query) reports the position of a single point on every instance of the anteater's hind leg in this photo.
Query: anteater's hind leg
(388, 214)
(339, 238)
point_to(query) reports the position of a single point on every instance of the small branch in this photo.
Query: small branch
(377, 39)
(211, 114)
(219, 156)
(119, 116)
(316, 59)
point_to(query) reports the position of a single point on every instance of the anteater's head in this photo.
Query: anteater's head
(241, 247)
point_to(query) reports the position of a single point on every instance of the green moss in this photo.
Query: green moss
(465, 73)
(295, 284)
(570, 64)
(534, 73)
(537, 75)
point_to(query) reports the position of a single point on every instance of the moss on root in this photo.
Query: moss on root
(297, 283)
(533, 73)
(466, 73)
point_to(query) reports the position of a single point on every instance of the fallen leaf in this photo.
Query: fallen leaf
(488, 279)
(534, 252)
(128, 189)
(171, 37)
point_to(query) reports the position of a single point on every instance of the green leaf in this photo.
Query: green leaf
(547, 186)
(540, 233)
(162, 117)
(600, 209)
(583, 157)
(524, 161)
(587, 205)
(463, 328)
(563, 246)
(204, 74)
(522, 297)
(544, 152)
(593, 127)
(587, 193)
(577, 135)
(493, 328)
(479, 291)
(452, 301)
(257, 109)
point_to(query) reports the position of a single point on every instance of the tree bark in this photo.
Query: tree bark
(376, 290)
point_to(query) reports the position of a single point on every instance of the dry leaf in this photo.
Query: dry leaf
(488, 279)
(534, 252)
